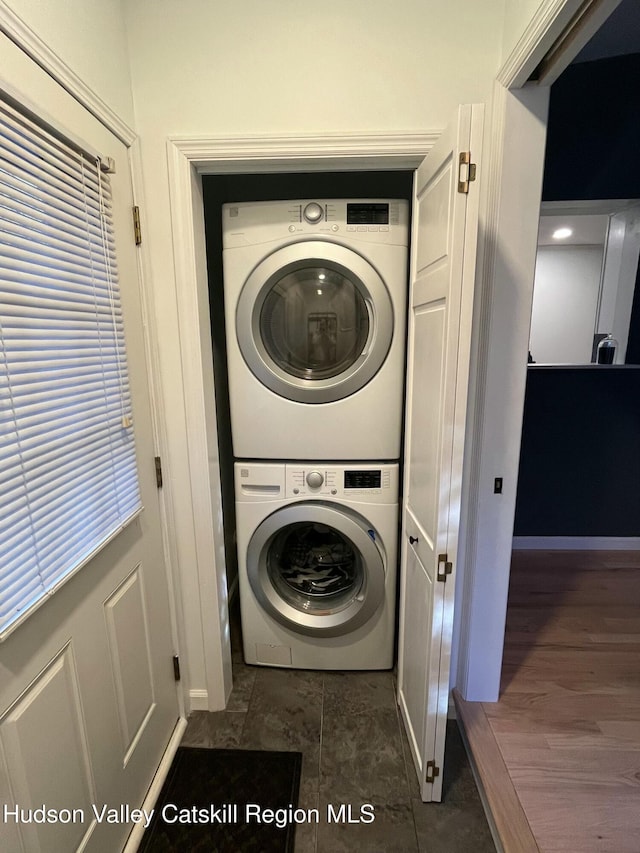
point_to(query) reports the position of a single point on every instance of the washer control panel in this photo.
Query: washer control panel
(376, 482)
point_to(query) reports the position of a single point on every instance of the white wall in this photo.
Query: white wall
(251, 66)
(89, 36)
(517, 14)
(254, 67)
(565, 302)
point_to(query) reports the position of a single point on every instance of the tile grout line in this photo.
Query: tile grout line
(315, 846)
(246, 713)
(406, 766)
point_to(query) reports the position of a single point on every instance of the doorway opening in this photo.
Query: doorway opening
(572, 619)
(581, 418)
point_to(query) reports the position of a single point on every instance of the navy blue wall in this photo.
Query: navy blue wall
(594, 131)
(580, 454)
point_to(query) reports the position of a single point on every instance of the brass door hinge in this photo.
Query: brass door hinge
(466, 171)
(432, 771)
(137, 230)
(158, 464)
(444, 567)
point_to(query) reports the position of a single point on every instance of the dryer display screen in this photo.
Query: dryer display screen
(362, 479)
(367, 214)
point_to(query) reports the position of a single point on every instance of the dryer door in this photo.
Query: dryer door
(314, 322)
(317, 569)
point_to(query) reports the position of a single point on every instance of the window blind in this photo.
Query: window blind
(68, 477)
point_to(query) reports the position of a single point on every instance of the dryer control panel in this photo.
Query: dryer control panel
(369, 220)
(375, 483)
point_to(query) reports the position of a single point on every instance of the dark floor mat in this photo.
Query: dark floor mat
(209, 789)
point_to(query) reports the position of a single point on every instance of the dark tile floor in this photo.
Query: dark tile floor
(348, 729)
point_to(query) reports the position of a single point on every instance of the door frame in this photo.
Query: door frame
(189, 159)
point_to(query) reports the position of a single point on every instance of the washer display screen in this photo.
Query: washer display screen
(367, 214)
(362, 479)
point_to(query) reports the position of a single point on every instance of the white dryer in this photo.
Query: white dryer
(317, 554)
(315, 305)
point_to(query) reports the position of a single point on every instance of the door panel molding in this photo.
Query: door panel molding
(127, 630)
(29, 750)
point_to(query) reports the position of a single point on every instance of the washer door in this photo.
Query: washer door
(314, 322)
(316, 569)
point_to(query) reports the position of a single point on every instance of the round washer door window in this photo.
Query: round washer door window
(316, 569)
(314, 322)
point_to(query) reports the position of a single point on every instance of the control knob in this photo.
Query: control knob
(314, 479)
(313, 212)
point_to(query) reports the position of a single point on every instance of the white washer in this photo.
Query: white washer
(315, 305)
(317, 554)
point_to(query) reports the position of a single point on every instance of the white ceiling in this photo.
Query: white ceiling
(619, 35)
(588, 229)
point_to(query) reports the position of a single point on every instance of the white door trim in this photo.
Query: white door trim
(188, 158)
(544, 28)
(263, 153)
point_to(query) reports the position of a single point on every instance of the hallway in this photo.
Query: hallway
(567, 725)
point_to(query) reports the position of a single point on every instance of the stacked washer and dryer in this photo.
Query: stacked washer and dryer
(315, 305)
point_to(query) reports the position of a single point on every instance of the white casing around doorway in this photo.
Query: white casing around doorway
(357, 417)
(263, 490)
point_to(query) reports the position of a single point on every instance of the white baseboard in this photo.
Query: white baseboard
(198, 700)
(135, 837)
(576, 543)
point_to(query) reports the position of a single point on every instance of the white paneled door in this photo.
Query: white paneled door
(445, 217)
(88, 699)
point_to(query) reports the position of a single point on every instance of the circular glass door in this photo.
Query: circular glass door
(316, 568)
(314, 322)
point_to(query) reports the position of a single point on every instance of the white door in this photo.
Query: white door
(88, 699)
(441, 295)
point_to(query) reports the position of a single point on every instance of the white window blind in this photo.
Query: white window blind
(68, 478)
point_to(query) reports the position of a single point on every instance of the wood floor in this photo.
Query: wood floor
(567, 724)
